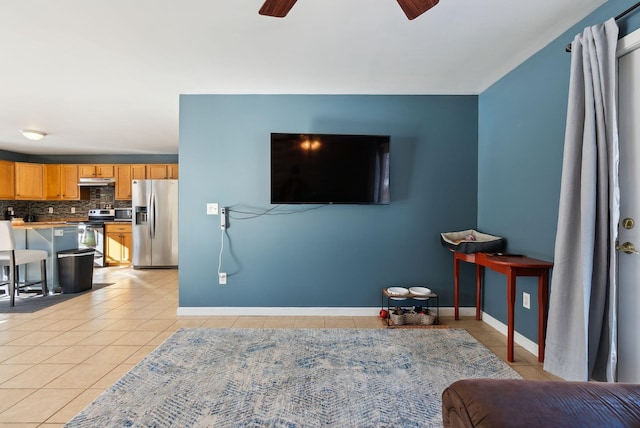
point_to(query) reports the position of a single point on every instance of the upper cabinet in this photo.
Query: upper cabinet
(101, 170)
(173, 171)
(124, 174)
(61, 183)
(34, 181)
(29, 181)
(162, 171)
(7, 180)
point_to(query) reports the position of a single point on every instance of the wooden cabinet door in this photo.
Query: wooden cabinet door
(105, 171)
(118, 244)
(123, 182)
(138, 172)
(112, 248)
(29, 181)
(61, 182)
(69, 188)
(7, 180)
(100, 170)
(157, 171)
(162, 171)
(87, 171)
(52, 182)
(127, 246)
(173, 171)
(124, 174)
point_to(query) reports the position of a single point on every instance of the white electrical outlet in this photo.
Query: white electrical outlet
(58, 232)
(526, 300)
(212, 208)
(222, 278)
(50, 210)
(73, 210)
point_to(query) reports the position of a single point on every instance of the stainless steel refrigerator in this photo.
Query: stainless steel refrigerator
(155, 223)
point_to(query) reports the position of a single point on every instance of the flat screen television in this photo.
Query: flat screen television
(329, 169)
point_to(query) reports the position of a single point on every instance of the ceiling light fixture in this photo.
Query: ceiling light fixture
(33, 135)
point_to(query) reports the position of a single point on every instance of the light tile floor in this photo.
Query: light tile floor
(56, 361)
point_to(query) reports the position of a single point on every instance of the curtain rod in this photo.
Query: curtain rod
(623, 14)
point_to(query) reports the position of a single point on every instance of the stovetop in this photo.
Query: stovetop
(102, 215)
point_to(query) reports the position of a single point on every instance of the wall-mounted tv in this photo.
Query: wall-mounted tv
(329, 169)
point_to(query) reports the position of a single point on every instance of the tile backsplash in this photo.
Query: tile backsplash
(99, 196)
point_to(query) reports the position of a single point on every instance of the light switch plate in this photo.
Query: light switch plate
(212, 208)
(58, 232)
(526, 300)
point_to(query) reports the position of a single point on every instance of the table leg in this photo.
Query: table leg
(511, 303)
(456, 286)
(479, 270)
(543, 292)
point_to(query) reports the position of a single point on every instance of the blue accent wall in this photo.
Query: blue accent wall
(337, 255)
(522, 121)
(82, 159)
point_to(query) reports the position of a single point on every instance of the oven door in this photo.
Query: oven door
(91, 236)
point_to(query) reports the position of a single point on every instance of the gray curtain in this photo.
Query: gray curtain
(582, 326)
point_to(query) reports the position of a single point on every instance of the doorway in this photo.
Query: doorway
(629, 229)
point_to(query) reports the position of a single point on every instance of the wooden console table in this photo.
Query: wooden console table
(512, 266)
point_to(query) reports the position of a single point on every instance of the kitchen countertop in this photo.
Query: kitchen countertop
(19, 224)
(38, 224)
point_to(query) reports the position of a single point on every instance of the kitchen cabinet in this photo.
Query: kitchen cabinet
(173, 171)
(124, 174)
(100, 170)
(29, 181)
(118, 244)
(7, 180)
(61, 183)
(162, 171)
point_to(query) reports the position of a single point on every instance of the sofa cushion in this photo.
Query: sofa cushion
(529, 403)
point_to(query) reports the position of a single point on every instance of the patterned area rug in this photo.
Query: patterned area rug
(294, 378)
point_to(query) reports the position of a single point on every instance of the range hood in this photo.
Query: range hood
(86, 182)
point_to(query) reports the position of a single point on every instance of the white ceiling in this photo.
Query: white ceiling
(104, 77)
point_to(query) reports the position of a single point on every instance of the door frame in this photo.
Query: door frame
(626, 45)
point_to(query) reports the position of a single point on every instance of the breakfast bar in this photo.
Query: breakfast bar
(50, 237)
(512, 266)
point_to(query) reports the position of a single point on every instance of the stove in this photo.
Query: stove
(101, 215)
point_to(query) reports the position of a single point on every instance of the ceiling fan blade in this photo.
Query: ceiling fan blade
(276, 8)
(415, 8)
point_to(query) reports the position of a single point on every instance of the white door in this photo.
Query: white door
(629, 264)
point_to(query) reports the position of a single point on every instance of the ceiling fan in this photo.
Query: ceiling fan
(411, 8)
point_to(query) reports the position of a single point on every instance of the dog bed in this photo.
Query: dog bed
(472, 241)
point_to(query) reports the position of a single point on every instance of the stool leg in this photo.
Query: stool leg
(43, 277)
(17, 281)
(12, 280)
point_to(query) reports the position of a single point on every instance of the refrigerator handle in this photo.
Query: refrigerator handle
(153, 218)
(150, 215)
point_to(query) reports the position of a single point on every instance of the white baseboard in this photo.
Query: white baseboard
(298, 311)
(277, 311)
(521, 340)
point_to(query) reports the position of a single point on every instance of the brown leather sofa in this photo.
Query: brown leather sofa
(493, 403)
